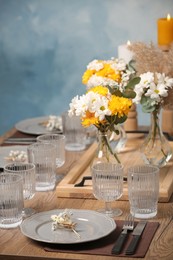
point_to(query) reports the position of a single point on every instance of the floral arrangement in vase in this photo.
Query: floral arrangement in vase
(108, 98)
(153, 92)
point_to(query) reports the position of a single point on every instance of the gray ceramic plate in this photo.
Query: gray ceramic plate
(33, 126)
(91, 225)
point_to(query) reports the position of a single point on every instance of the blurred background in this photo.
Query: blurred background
(45, 46)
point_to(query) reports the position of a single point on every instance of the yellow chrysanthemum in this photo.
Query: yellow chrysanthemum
(100, 90)
(108, 72)
(89, 119)
(119, 105)
(86, 76)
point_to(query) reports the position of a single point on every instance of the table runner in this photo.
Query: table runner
(104, 246)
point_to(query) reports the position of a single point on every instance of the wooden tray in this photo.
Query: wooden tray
(130, 156)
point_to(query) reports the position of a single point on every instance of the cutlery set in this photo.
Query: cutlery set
(129, 227)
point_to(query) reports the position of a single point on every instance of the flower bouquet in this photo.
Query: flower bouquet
(153, 92)
(108, 98)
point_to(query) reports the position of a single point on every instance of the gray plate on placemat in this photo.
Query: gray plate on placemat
(91, 225)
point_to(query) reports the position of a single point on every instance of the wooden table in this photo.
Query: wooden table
(14, 245)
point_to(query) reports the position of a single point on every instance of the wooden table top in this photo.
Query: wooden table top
(14, 245)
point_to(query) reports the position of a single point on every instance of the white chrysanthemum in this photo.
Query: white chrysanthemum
(162, 79)
(97, 104)
(126, 76)
(101, 108)
(100, 81)
(73, 106)
(146, 79)
(139, 90)
(154, 86)
(111, 61)
(156, 91)
(92, 102)
(80, 105)
(119, 65)
(138, 96)
(95, 65)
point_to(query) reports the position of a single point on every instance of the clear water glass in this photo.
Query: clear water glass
(75, 133)
(107, 181)
(27, 172)
(59, 141)
(143, 190)
(11, 200)
(43, 156)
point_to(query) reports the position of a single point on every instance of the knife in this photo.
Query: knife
(136, 237)
(20, 140)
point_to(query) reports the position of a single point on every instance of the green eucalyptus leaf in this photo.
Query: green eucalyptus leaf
(147, 106)
(143, 100)
(117, 93)
(133, 82)
(146, 102)
(111, 90)
(122, 119)
(148, 109)
(129, 94)
(131, 65)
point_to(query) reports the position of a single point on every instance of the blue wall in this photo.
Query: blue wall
(45, 46)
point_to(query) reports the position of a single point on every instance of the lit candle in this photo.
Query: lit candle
(165, 31)
(124, 53)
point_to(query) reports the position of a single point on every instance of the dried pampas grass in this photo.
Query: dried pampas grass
(148, 57)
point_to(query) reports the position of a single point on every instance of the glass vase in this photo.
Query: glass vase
(156, 149)
(118, 140)
(105, 153)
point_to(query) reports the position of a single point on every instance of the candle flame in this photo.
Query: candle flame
(128, 43)
(168, 17)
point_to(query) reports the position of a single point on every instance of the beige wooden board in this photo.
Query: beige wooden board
(130, 156)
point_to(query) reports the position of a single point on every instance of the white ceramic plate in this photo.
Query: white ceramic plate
(33, 126)
(91, 225)
(5, 150)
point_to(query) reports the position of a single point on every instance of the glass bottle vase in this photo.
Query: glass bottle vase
(118, 140)
(156, 149)
(104, 151)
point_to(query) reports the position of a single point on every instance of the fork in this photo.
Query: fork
(128, 226)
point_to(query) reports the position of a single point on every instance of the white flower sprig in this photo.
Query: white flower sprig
(53, 123)
(63, 220)
(151, 90)
(16, 156)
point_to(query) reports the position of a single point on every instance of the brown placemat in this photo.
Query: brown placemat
(104, 246)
